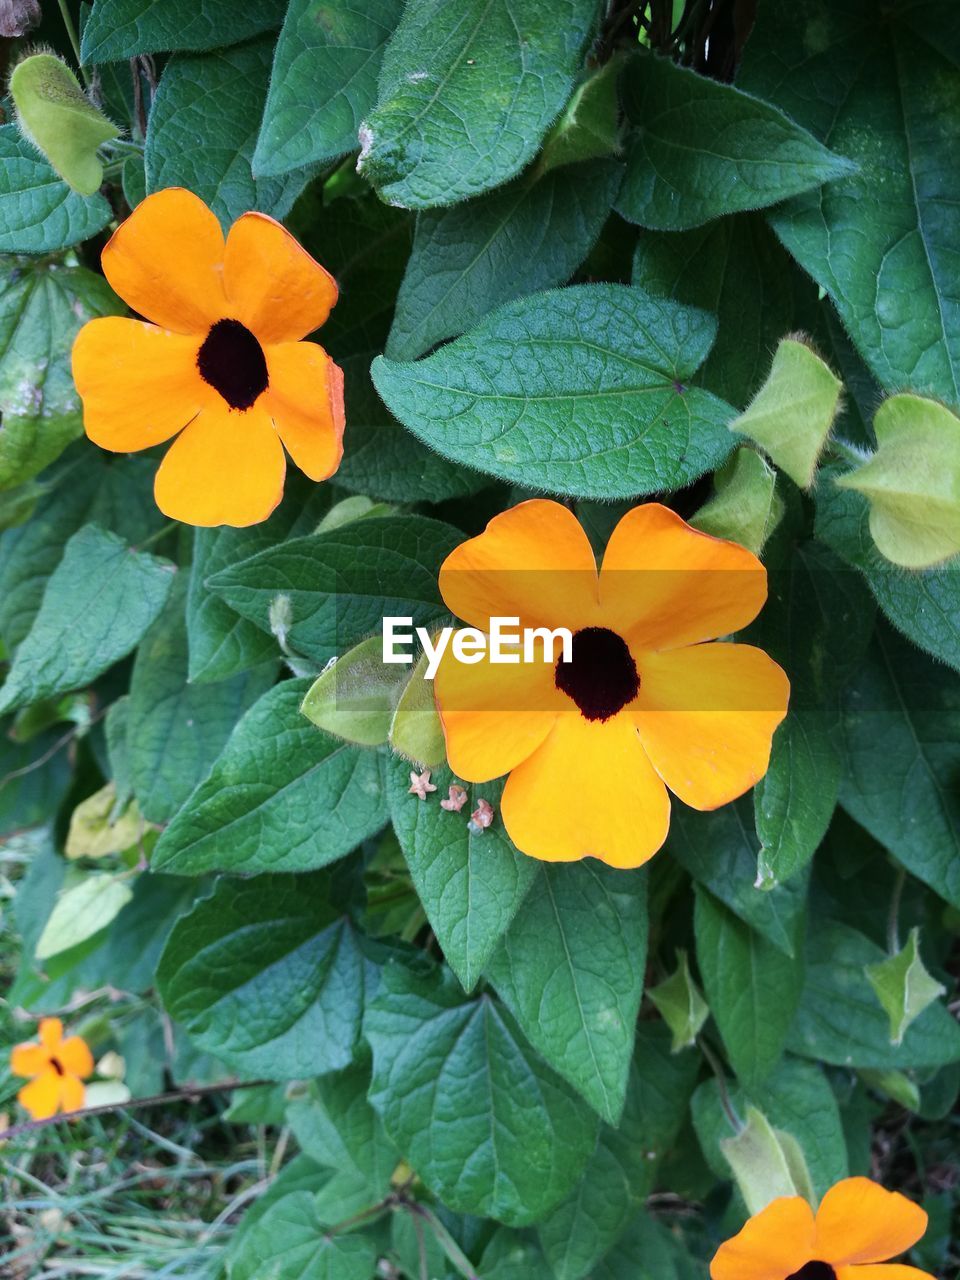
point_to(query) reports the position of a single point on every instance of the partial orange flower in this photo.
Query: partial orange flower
(592, 744)
(57, 1069)
(218, 362)
(857, 1229)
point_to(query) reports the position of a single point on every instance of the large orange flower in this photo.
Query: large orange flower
(590, 743)
(221, 363)
(57, 1069)
(857, 1228)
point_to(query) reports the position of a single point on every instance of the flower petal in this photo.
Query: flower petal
(588, 791)
(305, 400)
(72, 1093)
(51, 1034)
(494, 715)
(706, 716)
(664, 585)
(773, 1244)
(139, 384)
(41, 1096)
(273, 285)
(227, 467)
(883, 1271)
(28, 1059)
(533, 562)
(75, 1057)
(860, 1221)
(166, 261)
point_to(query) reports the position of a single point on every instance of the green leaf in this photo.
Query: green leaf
(203, 129)
(570, 969)
(97, 605)
(903, 986)
(118, 29)
(900, 739)
(589, 127)
(324, 81)
(745, 506)
(753, 989)
(175, 729)
(340, 585)
(32, 781)
(487, 1126)
(840, 1020)
(761, 1163)
(415, 731)
(620, 1174)
(701, 149)
(922, 604)
(466, 93)
(649, 1251)
(679, 1002)
(38, 211)
(82, 910)
(471, 884)
(336, 1125)
(290, 1243)
(41, 311)
(606, 359)
(355, 696)
(882, 241)
(267, 974)
(281, 797)
(468, 260)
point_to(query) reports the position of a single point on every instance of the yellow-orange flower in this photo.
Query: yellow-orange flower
(56, 1068)
(589, 744)
(221, 364)
(857, 1229)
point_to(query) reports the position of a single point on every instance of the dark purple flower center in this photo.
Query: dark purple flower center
(814, 1271)
(231, 360)
(55, 1063)
(601, 676)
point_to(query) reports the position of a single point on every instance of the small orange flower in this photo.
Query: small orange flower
(57, 1068)
(857, 1228)
(222, 362)
(589, 744)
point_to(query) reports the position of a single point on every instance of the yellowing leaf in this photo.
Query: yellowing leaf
(746, 506)
(82, 911)
(96, 830)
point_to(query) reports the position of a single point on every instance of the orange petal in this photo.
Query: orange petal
(706, 716)
(227, 467)
(860, 1221)
(51, 1034)
(72, 1093)
(28, 1059)
(166, 262)
(305, 400)
(75, 1057)
(883, 1271)
(588, 791)
(494, 715)
(139, 384)
(773, 1244)
(664, 585)
(533, 562)
(41, 1096)
(273, 285)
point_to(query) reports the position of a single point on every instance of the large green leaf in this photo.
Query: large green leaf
(281, 797)
(466, 261)
(487, 1126)
(38, 211)
(175, 729)
(466, 93)
(324, 81)
(470, 884)
(701, 149)
(203, 129)
(41, 311)
(336, 1125)
(290, 1242)
(841, 1021)
(650, 1250)
(901, 745)
(583, 388)
(118, 29)
(268, 975)
(97, 605)
(570, 969)
(338, 586)
(32, 780)
(882, 242)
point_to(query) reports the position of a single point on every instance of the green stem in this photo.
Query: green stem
(848, 452)
(893, 919)
(155, 537)
(73, 38)
(725, 1102)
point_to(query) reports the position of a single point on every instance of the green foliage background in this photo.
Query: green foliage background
(568, 237)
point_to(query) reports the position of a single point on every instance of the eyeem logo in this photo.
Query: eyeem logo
(506, 643)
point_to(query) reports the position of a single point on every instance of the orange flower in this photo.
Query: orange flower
(57, 1068)
(590, 743)
(857, 1228)
(221, 363)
